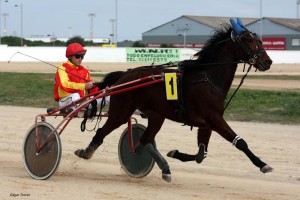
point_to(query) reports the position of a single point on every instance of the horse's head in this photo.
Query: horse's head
(251, 45)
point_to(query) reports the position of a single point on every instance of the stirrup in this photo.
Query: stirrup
(65, 110)
(50, 109)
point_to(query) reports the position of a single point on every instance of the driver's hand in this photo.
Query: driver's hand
(89, 85)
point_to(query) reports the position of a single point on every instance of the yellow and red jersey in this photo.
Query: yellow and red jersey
(69, 79)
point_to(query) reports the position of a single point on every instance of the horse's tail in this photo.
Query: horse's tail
(110, 79)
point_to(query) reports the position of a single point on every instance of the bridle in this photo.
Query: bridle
(240, 41)
(253, 57)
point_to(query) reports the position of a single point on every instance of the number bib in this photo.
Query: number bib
(171, 86)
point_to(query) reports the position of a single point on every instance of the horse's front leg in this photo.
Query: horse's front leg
(203, 140)
(203, 137)
(242, 145)
(226, 132)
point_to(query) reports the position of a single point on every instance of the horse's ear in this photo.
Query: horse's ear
(236, 27)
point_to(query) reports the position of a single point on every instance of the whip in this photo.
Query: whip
(46, 63)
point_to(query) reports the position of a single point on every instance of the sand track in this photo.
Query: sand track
(225, 174)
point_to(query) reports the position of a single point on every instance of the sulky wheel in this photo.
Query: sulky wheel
(136, 164)
(43, 163)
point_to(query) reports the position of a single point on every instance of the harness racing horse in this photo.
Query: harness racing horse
(205, 83)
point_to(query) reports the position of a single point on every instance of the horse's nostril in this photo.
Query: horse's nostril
(267, 64)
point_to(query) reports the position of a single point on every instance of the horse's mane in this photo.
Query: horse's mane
(206, 56)
(211, 47)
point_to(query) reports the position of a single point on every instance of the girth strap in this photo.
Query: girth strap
(181, 112)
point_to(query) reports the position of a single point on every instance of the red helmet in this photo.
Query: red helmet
(74, 48)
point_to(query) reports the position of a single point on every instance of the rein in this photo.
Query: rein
(241, 83)
(91, 113)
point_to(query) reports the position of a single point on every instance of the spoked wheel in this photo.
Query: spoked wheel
(136, 164)
(43, 163)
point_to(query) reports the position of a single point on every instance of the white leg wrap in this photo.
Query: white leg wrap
(235, 140)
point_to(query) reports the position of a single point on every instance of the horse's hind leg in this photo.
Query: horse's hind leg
(203, 137)
(114, 121)
(155, 122)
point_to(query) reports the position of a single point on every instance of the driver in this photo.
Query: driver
(72, 80)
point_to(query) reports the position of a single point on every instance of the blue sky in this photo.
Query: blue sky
(64, 18)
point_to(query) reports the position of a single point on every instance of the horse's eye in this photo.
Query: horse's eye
(249, 39)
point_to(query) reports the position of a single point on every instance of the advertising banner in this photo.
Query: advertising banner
(277, 43)
(152, 55)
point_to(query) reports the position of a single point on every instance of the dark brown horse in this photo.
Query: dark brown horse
(204, 85)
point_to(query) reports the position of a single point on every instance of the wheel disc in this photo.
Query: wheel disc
(41, 165)
(136, 164)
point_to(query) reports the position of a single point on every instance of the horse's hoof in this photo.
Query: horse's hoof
(87, 153)
(166, 177)
(201, 154)
(81, 153)
(172, 153)
(266, 169)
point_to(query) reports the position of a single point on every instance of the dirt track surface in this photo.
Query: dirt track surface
(225, 174)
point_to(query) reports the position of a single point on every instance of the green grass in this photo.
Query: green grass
(265, 106)
(28, 89)
(36, 90)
